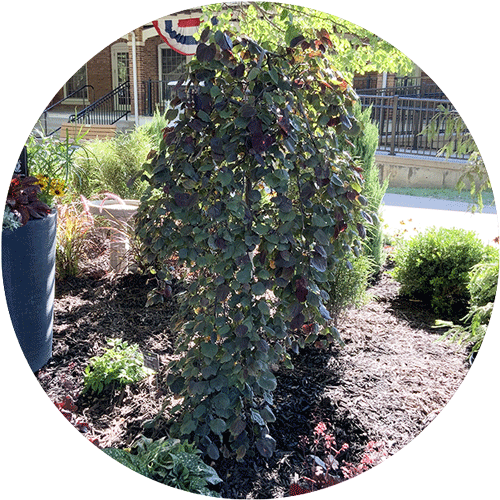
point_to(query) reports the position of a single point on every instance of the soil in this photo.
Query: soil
(388, 382)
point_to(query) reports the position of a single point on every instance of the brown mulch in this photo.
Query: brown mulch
(387, 384)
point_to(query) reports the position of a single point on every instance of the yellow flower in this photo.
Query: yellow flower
(57, 187)
(43, 181)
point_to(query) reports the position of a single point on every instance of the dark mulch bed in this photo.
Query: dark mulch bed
(387, 384)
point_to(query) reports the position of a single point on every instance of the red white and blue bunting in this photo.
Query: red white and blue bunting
(178, 34)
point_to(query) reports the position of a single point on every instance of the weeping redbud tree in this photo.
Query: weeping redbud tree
(250, 190)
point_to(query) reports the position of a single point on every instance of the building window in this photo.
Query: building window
(76, 82)
(172, 64)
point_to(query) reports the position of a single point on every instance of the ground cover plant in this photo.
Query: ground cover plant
(251, 192)
(169, 461)
(119, 365)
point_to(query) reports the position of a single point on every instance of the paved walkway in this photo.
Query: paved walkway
(412, 213)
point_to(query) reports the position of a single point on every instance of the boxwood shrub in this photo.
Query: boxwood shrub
(434, 267)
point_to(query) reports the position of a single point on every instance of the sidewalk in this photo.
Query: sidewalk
(400, 212)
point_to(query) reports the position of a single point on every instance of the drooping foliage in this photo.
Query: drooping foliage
(251, 191)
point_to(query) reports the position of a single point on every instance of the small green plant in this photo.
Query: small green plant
(120, 365)
(10, 220)
(484, 279)
(169, 461)
(434, 267)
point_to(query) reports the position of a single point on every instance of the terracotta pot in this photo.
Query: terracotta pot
(29, 269)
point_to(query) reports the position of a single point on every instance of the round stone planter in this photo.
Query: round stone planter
(29, 269)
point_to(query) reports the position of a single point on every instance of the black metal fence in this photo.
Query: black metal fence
(423, 91)
(401, 113)
(402, 121)
(406, 85)
(108, 109)
(156, 96)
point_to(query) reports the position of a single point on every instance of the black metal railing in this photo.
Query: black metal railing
(82, 95)
(401, 114)
(423, 91)
(156, 94)
(402, 121)
(108, 109)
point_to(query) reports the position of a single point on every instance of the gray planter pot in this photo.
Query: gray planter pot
(28, 267)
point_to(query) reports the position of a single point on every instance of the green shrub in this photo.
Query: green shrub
(120, 365)
(434, 267)
(483, 281)
(365, 146)
(348, 285)
(169, 461)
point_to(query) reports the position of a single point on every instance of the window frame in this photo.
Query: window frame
(77, 100)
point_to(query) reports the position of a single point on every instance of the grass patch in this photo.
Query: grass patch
(443, 194)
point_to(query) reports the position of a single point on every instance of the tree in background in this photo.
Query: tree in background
(274, 25)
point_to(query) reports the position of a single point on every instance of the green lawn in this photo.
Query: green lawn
(443, 194)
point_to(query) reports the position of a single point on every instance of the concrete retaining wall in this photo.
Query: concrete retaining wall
(418, 172)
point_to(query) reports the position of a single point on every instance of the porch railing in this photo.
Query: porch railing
(401, 121)
(156, 96)
(108, 109)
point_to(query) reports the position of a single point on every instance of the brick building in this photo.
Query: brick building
(147, 58)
